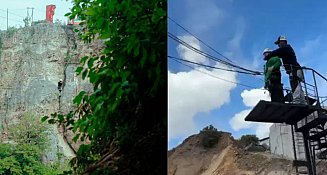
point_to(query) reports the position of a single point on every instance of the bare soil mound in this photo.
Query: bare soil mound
(219, 154)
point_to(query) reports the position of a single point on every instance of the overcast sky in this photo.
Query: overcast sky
(240, 30)
(18, 11)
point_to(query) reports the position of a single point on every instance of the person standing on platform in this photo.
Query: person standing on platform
(273, 77)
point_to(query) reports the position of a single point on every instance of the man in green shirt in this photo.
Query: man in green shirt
(273, 77)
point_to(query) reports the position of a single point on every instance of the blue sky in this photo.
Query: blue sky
(240, 30)
(17, 11)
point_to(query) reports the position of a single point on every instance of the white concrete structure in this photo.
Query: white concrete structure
(281, 142)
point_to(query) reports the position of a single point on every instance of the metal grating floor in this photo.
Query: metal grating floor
(273, 112)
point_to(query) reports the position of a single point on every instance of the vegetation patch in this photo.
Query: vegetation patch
(10, 32)
(248, 139)
(209, 136)
(22, 153)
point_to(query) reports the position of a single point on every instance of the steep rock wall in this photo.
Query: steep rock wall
(32, 61)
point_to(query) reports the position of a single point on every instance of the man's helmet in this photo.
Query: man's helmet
(60, 80)
(266, 50)
(280, 38)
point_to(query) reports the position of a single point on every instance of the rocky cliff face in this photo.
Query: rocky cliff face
(32, 61)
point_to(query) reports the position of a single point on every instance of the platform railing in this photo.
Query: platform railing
(309, 85)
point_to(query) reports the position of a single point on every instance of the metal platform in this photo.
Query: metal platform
(273, 112)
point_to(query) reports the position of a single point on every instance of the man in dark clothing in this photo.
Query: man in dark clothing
(60, 87)
(287, 54)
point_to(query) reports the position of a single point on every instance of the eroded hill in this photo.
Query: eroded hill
(225, 157)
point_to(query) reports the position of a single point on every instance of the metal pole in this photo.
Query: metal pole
(305, 87)
(27, 16)
(307, 152)
(7, 18)
(313, 157)
(32, 14)
(314, 79)
(294, 149)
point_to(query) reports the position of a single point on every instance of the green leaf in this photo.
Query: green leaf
(125, 83)
(77, 100)
(130, 44)
(68, 14)
(60, 118)
(83, 59)
(144, 57)
(78, 70)
(113, 88)
(90, 12)
(105, 35)
(44, 118)
(76, 137)
(84, 74)
(51, 121)
(120, 63)
(90, 62)
(136, 49)
(100, 22)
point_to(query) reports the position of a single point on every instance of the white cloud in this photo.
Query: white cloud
(262, 130)
(203, 15)
(188, 54)
(234, 45)
(192, 92)
(237, 122)
(250, 99)
(253, 96)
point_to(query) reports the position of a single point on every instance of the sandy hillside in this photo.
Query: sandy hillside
(226, 157)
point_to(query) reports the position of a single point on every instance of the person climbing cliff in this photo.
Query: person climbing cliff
(60, 87)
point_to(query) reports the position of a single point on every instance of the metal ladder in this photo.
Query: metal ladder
(312, 127)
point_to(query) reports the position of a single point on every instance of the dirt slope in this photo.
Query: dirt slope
(224, 158)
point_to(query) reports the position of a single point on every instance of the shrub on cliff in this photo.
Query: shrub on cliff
(248, 139)
(21, 154)
(209, 136)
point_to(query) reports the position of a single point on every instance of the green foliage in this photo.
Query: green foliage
(248, 139)
(209, 128)
(29, 130)
(127, 107)
(22, 155)
(21, 159)
(10, 32)
(209, 136)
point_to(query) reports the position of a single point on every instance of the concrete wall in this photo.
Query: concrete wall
(281, 142)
